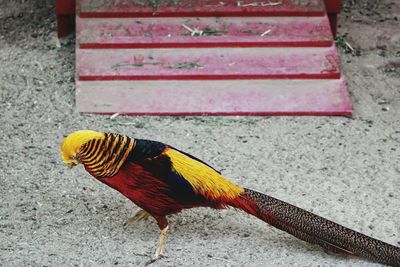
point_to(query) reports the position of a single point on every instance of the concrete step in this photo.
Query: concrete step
(200, 8)
(208, 63)
(221, 97)
(203, 32)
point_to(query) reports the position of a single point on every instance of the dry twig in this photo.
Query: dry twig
(266, 32)
(268, 3)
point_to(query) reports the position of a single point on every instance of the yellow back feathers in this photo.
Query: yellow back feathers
(203, 179)
(73, 142)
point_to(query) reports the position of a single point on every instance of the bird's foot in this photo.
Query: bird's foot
(140, 215)
(157, 257)
(160, 246)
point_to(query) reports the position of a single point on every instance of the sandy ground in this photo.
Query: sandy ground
(345, 169)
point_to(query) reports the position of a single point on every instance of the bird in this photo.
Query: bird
(163, 180)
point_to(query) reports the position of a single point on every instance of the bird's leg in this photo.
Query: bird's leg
(161, 244)
(140, 215)
(163, 224)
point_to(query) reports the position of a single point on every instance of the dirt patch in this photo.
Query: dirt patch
(392, 68)
(361, 18)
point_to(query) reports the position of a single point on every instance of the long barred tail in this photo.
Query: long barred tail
(315, 229)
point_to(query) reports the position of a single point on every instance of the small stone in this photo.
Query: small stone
(383, 102)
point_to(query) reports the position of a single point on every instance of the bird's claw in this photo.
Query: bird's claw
(140, 215)
(159, 256)
(156, 257)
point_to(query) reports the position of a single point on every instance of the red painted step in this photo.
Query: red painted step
(208, 63)
(199, 8)
(223, 97)
(203, 32)
(194, 57)
(65, 10)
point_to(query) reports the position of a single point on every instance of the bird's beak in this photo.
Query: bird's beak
(72, 164)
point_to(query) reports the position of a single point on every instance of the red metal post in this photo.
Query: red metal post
(65, 10)
(333, 9)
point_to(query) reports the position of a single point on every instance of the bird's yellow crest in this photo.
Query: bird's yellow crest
(73, 142)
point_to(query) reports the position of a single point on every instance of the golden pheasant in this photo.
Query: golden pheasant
(163, 180)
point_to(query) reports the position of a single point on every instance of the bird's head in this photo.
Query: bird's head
(71, 145)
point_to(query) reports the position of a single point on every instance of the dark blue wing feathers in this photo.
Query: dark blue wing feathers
(149, 155)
